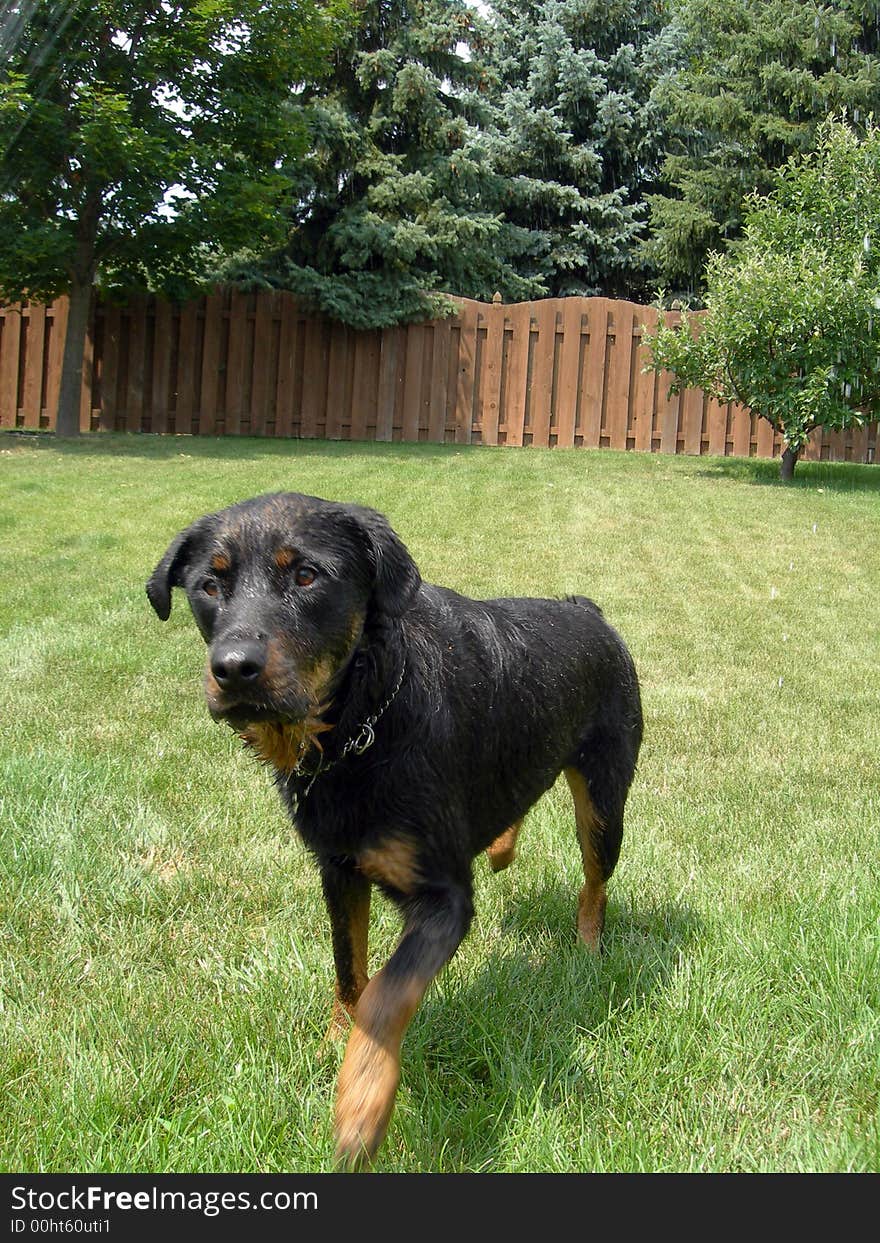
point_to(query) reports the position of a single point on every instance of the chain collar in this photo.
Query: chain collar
(357, 744)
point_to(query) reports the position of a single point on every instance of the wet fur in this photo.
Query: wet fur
(497, 698)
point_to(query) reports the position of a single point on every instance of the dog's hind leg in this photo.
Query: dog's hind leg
(503, 850)
(435, 925)
(599, 777)
(590, 828)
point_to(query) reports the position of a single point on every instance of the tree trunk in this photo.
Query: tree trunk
(67, 420)
(789, 462)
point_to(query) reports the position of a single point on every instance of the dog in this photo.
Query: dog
(410, 728)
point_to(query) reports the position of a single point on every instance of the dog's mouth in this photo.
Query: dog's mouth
(244, 717)
(290, 707)
(240, 715)
(285, 709)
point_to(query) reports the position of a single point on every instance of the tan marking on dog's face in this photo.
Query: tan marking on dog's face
(220, 563)
(371, 1068)
(277, 675)
(213, 693)
(286, 671)
(317, 679)
(393, 863)
(284, 558)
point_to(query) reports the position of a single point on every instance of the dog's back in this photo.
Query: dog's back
(517, 689)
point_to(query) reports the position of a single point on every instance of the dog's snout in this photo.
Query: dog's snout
(237, 665)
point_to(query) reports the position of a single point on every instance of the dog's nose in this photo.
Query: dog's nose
(238, 664)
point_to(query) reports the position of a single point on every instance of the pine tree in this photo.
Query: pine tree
(395, 198)
(576, 136)
(753, 81)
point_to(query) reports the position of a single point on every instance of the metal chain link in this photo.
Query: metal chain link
(358, 743)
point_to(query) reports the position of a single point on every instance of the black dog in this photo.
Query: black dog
(410, 728)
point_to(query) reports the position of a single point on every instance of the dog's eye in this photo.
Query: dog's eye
(304, 576)
(210, 587)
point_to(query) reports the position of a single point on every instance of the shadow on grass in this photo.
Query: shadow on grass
(836, 476)
(157, 447)
(149, 446)
(513, 1035)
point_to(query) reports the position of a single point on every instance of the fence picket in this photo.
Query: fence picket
(162, 343)
(490, 415)
(9, 365)
(464, 397)
(133, 401)
(261, 383)
(569, 372)
(594, 372)
(364, 385)
(337, 413)
(439, 381)
(691, 420)
(286, 384)
(32, 388)
(414, 344)
(620, 327)
(717, 414)
(314, 378)
(184, 405)
(513, 418)
(388, 382)
(239, 334)
(645, 396)
(208, 406)
(541, 389)
(765, 439)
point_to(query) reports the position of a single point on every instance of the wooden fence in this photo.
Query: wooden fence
(566, 371)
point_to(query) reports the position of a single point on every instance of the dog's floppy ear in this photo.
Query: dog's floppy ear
(396, 576)
(167, 573)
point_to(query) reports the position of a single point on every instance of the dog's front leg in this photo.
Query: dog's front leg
(436, 922)
(347, 895)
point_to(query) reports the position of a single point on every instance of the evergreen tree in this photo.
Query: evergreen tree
(754, 79)
(396, 199)
(576, 135)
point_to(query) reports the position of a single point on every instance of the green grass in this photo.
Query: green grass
(166, 967)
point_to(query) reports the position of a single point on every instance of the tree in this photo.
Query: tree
(753, 81)
(140, 140)
(792, 325)
(576, 136)
(395, 202)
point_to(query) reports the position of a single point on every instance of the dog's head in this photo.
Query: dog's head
(281, 588)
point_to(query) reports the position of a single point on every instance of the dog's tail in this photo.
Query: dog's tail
(589, 604)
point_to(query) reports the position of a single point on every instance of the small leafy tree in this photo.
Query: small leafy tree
(140, 141)
(792, 325)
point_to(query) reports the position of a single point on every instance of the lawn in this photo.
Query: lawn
(165, 962)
